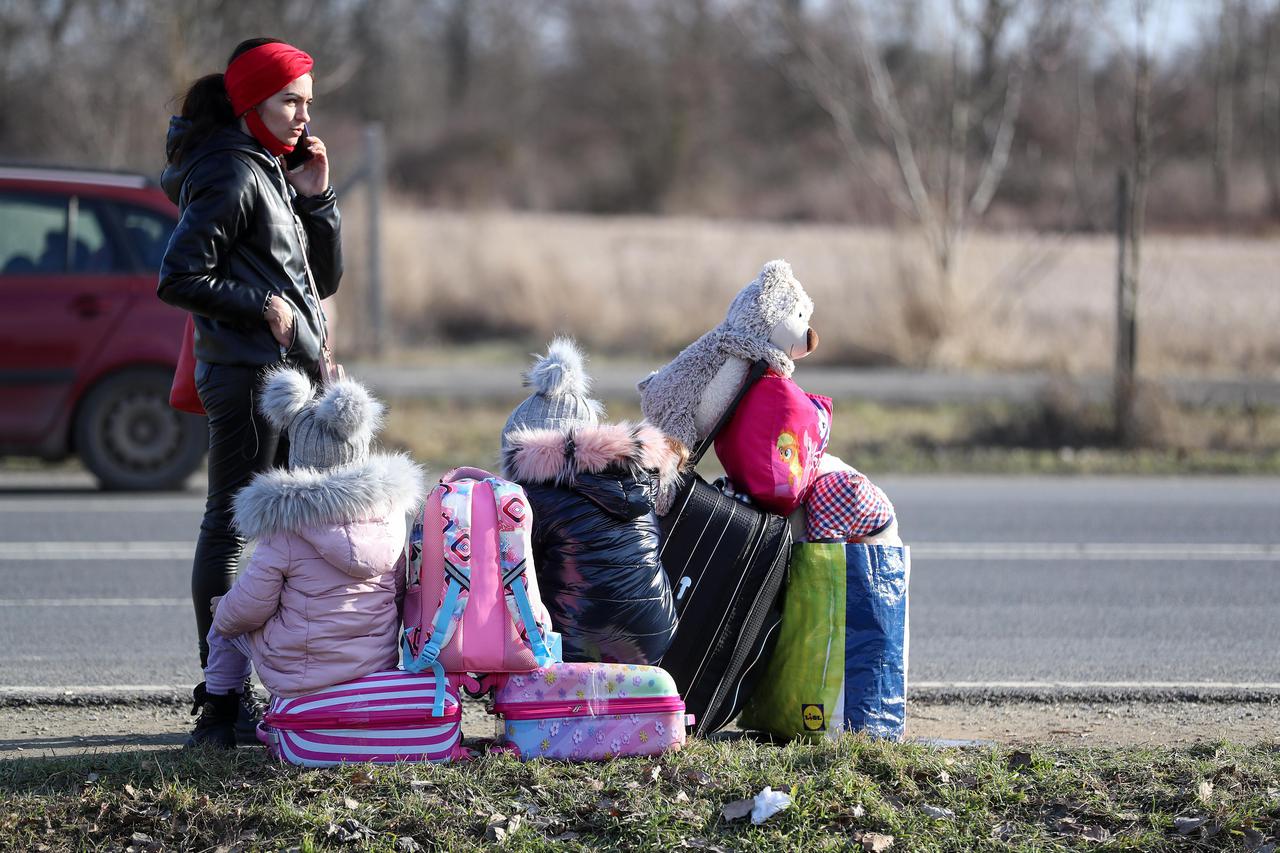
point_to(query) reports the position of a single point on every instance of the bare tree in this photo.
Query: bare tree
(1132, 224)
(1269, 104)
(945, 177)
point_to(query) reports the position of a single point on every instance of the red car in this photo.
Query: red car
(87, 350)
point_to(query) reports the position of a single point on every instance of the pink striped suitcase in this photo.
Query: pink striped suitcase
(591, 712)
(383, 717)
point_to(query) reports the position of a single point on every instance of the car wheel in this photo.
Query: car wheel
(129, 437)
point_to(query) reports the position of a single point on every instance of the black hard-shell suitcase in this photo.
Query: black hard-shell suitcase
(726, 561)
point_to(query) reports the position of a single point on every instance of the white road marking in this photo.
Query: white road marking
(45, 690)
(1094, 551)
(95, 602)
(1092, 685)
(44, 505)
(25, 551)
(1224, 551)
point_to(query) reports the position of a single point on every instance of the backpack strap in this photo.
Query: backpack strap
(513, 548)
(455, 506)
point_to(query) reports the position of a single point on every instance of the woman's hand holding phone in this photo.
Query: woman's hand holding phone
(312, 177)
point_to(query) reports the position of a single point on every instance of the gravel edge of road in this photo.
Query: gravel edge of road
(924, 696)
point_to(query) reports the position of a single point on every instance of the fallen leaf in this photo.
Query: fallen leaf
(360, 777)
(408, 844)
(938, 813)
(1067, 826)
(696, 776)
(1096, 833)
(350, 803)
(738, 809)
(568, 835)
(1204, 792)
(944, 777)
(859, 811)
(654, 773)
(1018, 760)
(130, 792)
(1129, 816)
(682, 797)
(873, 842)
(496, 829)
(1188, 825)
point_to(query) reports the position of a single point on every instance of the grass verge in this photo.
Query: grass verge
(849, 795)
(1047, 437)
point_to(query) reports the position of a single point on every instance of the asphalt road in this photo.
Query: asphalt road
(1054, 584)
(617, 381)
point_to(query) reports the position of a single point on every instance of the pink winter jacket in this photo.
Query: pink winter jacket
(320, 596)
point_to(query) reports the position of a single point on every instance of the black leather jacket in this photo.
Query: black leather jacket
(237, 242)
(595, 540)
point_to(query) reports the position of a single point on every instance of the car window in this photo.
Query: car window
(33, 235)
(148, 232)
(33, 238)
(94, 253)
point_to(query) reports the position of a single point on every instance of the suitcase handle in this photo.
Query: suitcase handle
(753, 375)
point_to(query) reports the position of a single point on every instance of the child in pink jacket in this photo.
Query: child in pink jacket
(318, 603)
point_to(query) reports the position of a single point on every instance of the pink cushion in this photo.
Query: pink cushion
(773, 445)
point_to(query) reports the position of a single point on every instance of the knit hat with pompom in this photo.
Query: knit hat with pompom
(559, 399)
(332, 428)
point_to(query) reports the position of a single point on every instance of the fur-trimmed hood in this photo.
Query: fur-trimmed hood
(582, 457)
(298, 500)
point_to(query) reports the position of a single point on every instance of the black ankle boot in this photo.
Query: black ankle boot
(248, 715)
(216, 726)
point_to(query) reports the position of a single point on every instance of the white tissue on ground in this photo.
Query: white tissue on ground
(768, 803)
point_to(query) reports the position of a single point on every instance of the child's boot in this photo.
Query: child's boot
(248, 715)
(216, 726)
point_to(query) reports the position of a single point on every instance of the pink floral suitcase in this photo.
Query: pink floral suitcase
(591, 712)
(383, 717)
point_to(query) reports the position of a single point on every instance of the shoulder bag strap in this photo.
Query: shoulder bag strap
(753, 375)
(513, 549)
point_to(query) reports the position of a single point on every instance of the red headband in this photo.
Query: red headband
(257, 74)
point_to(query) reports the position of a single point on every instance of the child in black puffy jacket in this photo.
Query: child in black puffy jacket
(593, 488)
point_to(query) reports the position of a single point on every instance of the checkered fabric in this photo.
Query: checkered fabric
(845, 506)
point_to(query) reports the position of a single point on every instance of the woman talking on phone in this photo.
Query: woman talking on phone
(256, 248)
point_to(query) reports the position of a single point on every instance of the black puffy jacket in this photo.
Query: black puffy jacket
(237, 242)
(595, 537)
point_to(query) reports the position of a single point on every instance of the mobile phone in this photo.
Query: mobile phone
(301, 152)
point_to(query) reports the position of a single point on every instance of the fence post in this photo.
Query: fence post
(375, 178)
(1126, 314)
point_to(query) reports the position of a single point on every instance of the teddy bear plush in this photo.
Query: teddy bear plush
(777, 426)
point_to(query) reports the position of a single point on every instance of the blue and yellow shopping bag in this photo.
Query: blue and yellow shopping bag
(841, 659)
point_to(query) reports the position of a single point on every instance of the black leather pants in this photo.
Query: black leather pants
(241, 443)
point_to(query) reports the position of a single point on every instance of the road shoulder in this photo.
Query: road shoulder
(28, 731)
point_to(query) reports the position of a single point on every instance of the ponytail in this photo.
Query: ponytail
(208, 108)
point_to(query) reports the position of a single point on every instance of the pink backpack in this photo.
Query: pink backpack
(472, 602)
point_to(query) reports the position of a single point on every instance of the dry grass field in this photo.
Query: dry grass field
(1207, 305)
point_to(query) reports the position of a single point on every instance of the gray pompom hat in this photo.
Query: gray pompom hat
(560, 397)
(333, 428)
